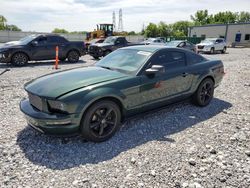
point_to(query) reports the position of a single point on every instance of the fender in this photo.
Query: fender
(97, 94)
(201, 77)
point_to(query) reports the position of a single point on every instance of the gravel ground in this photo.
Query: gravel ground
(179, 146)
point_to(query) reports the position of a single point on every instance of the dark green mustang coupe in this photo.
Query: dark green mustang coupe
(95, 100)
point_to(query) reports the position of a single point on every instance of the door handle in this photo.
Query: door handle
(184, 74)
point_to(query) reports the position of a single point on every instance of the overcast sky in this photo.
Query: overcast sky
(83, 15)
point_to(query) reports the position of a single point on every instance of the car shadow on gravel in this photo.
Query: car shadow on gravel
(64, 153)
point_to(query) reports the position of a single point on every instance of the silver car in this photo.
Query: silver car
(211, 45)
(153, 41)
(182, 44)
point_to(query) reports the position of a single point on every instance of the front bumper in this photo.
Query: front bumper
(53, 124)
(95, 52)
(204, 49)
(5, 57)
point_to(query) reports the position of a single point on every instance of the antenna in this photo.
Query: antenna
(114, 21)
(120, 25)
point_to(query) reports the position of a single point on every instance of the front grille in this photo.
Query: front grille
(93, 49)
(35, 101)
(200, 47)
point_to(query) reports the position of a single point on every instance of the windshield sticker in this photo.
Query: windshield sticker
(144, 53)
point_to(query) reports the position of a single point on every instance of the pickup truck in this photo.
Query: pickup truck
(41, 47)
(109, 44)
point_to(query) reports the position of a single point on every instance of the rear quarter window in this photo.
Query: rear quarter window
(169, 59)
(195, 58)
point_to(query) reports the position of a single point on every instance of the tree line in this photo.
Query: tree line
(5, 26)
(201, 17)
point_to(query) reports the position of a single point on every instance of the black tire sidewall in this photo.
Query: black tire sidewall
(18, 65)
(73, 61)
(85, 129)
(224, 50)
(196, 97)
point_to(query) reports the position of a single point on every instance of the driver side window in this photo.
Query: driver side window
(42, 41)
(169, 59)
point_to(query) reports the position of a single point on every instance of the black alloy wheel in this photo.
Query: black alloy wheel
(101, 121)
(19, 59)
(204, 93)
(73, 56)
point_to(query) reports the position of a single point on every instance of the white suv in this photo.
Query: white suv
(211, 45)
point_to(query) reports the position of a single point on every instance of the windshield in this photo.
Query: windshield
(93, 41)
(172, 43)
(208, 41)
(125, 60)
(110, 40)
(150, 39)
(26, 40)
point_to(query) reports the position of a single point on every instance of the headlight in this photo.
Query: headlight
(57, 106)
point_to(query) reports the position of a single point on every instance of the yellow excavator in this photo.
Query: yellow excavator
(103, 31)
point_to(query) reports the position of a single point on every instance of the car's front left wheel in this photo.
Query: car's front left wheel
(19, 59)
(101, 121)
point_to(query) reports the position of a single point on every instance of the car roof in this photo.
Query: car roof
(152, 48)
(214, 38)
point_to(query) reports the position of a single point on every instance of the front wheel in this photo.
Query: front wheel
(205, 92)
(19, 59)
(101, 121)
(73, 56)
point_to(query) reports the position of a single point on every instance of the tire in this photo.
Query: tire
(212, 50)
(205, 92)
(96, 57)
(106, 53)
(73, 56)
(101, 121)
(224, 50)
(19, 59)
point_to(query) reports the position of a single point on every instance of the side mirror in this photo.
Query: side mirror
(155, 69)
(34, 43)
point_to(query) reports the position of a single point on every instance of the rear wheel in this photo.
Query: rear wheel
(19, 59)
(101, 121)
(224, 50)
(212, 50)
(73, 56)
(204, 93)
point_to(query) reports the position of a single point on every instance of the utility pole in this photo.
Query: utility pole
(120, 25)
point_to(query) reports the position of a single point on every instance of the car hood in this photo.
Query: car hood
(57, 84)
(205, 43)
(12, 44)
(102, 44)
